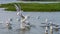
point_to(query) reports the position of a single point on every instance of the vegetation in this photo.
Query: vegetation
(33, 7)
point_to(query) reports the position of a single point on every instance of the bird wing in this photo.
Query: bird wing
(17, 6)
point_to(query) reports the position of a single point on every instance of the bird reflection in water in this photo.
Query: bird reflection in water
(21, 31)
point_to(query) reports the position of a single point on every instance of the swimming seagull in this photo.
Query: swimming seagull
(57, 27)
(46, 30)
(51, 28)
(8, 24)
(46, 24)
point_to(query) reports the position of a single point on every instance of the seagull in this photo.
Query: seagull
(56, 27)
(46, 30)
(19, 11)
(8, 24)
(23, 18)
(46, 24)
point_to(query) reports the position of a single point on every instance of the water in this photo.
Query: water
(5, 15)
(7, 1)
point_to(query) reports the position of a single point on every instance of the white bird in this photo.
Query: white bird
(46, 30)
(19, 11)
(23, 18)
(46, 22)
(8, 25)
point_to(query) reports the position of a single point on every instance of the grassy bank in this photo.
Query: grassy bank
(33, 7)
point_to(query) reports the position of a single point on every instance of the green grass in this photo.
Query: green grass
(33, 7)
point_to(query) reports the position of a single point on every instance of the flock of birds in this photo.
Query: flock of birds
(26, 25)
(50, 26)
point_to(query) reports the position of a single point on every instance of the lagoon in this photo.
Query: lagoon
(5, 15)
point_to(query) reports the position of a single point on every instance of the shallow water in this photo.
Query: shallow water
(5, 15)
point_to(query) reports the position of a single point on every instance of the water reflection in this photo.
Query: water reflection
(23, 31)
